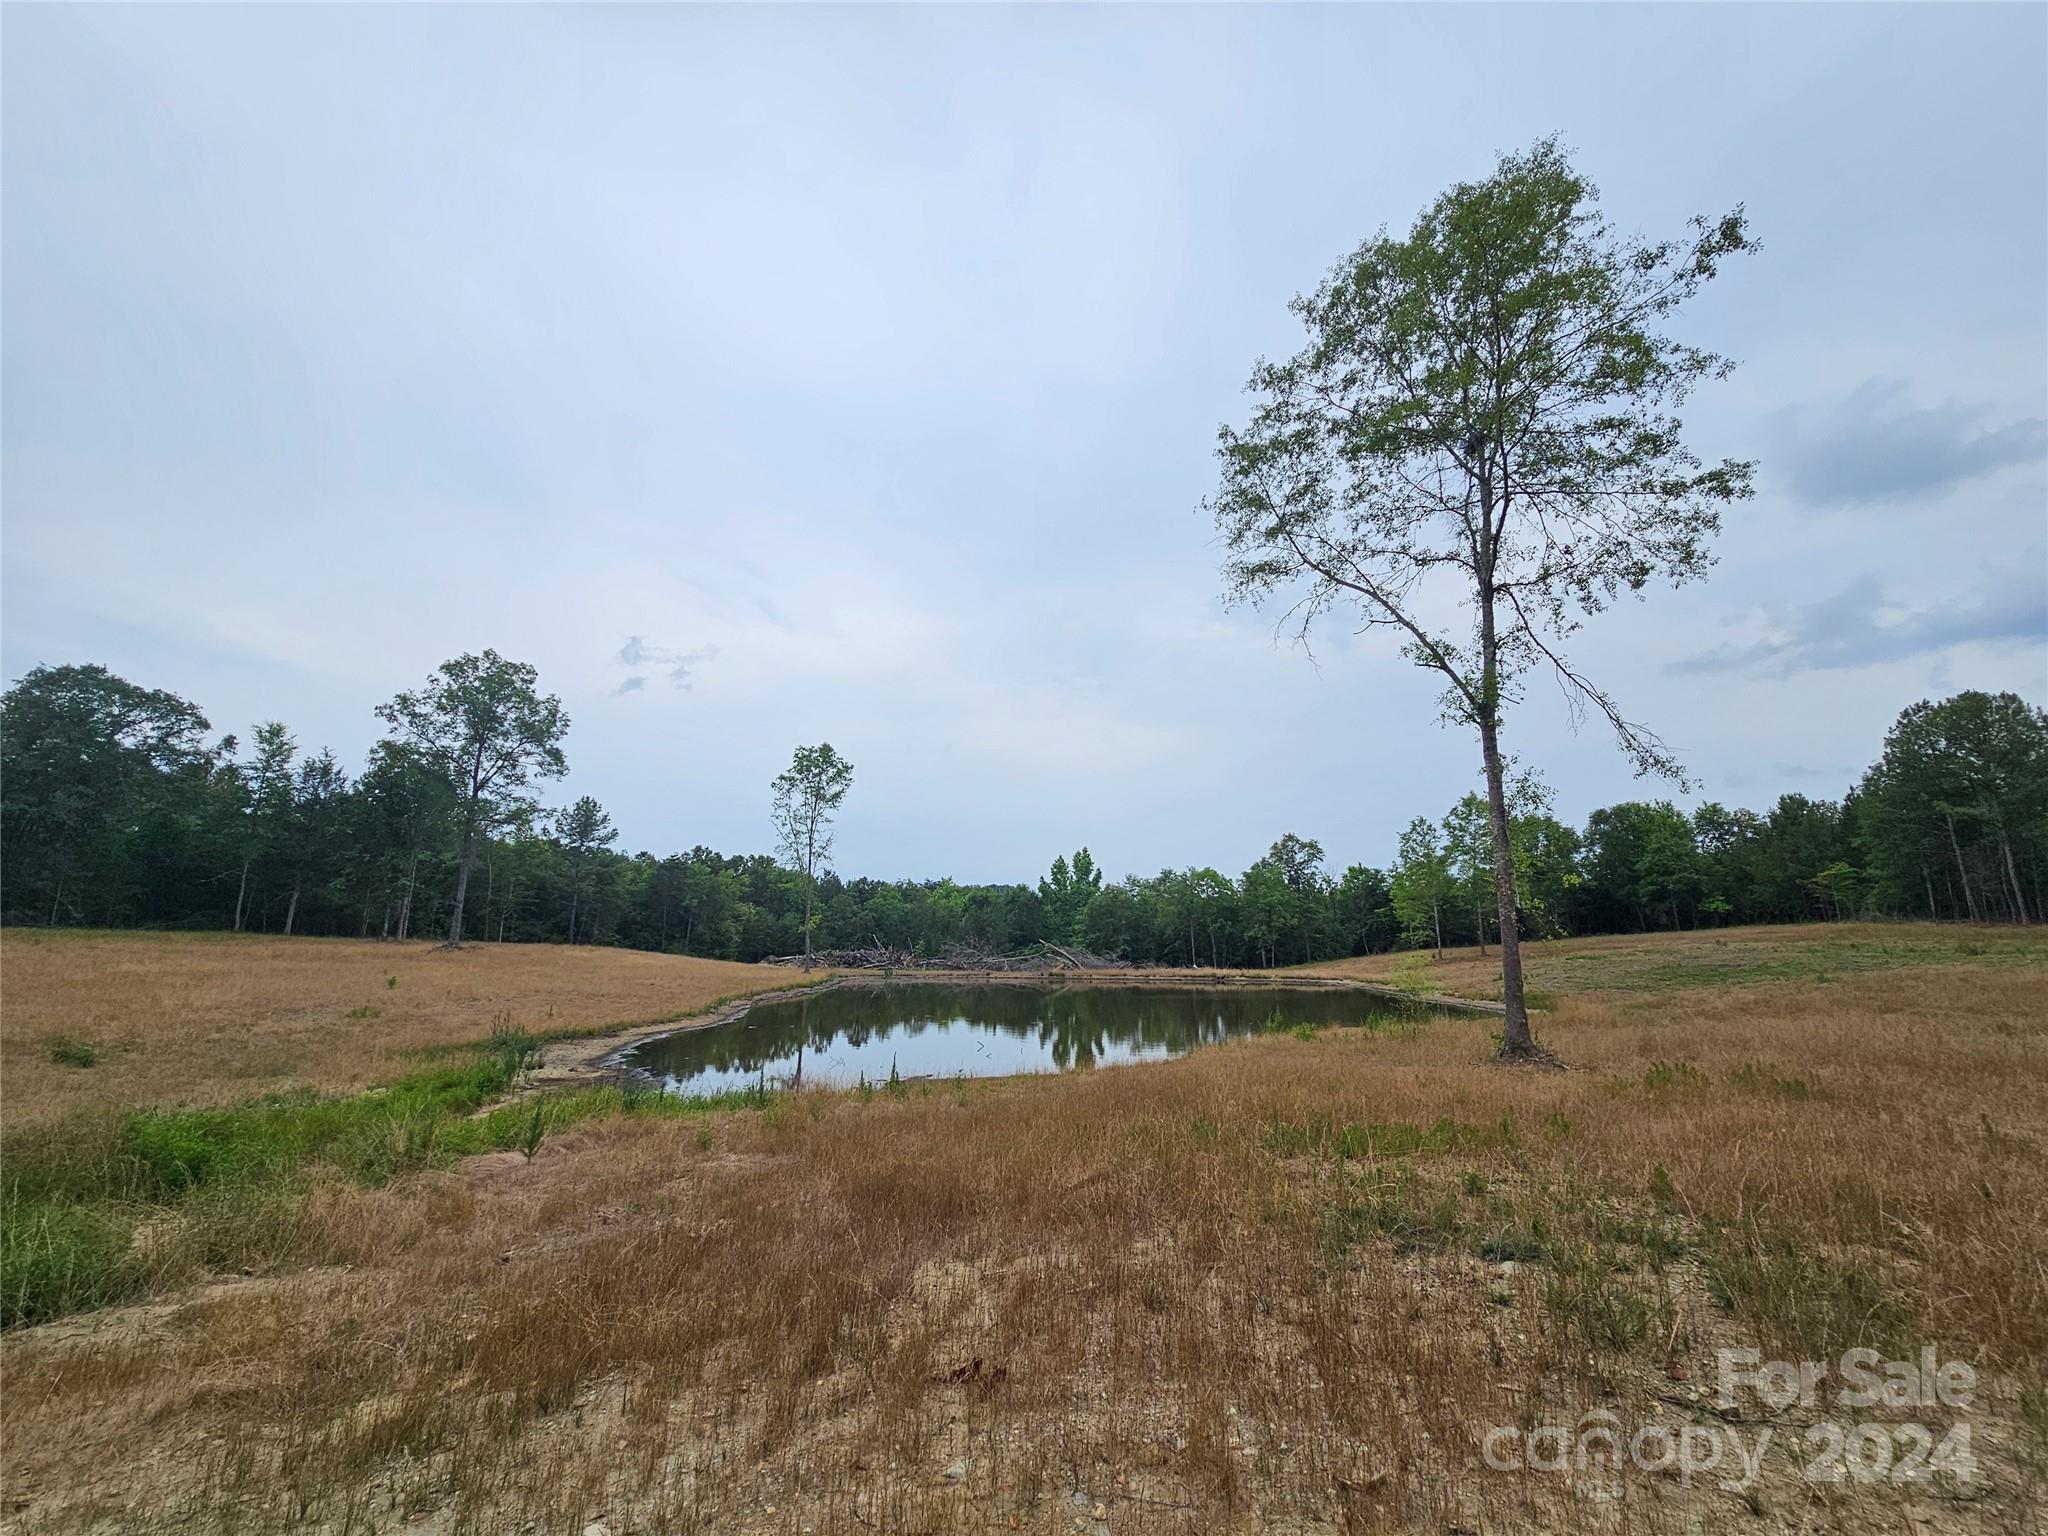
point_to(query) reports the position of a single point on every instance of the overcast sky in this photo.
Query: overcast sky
(770, 376)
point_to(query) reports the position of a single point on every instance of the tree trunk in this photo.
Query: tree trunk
(461, 890)
(809, 885)
(2019, 900)
(1928, 880)
(1515, 1039)
(1962, 870)
(291, 910)
(241, 893)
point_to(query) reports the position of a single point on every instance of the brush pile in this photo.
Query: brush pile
(958, 957)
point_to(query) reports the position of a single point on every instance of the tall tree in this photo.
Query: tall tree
(483, 723)
(268, 780)
(1422, 884)
(1066, 892)
(318, 807)
(1487, 400)
(583, 829)
(81, 752)
(1962, 787)
(808, 794)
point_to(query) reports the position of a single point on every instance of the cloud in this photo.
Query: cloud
(1874, 445)
(1859, 626)
(680, 666)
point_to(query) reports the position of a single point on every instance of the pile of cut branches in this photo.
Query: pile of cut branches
(958, 957)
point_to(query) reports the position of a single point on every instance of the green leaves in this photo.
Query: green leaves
(1485, 402)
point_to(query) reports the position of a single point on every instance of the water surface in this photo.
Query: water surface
(932, 1030)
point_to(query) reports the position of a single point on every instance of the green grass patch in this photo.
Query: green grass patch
(1814, 955)
(69, 1051)
(1813, 1303)
(1353, 1141)
(1516, 1242)
(1754, 1077)
(1593, 1298)
(73, 1195)
(1666, 1078)
(1397, 1212)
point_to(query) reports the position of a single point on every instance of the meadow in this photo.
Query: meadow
(1288, 1283)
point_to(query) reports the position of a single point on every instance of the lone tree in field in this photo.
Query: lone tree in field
(481, 721)
(807, 794)
(1484, 409)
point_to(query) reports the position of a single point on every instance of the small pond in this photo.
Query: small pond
(934, 1030)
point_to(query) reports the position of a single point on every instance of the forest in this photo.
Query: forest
(120, 808)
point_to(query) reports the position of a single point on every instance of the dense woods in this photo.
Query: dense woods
(121, 808)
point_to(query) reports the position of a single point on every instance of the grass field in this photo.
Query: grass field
(1286, 1284)
(216, 1018)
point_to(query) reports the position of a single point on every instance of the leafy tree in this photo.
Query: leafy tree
(83, 754)
(1364, 911)
(1798, 839)
(1962, 789)
(482, 722)
(582, 830)
(1065, 895)
(1299, 863)
(807, 795)
(405, 805)
(1422, 884)
(1109, 925)
(1468, 845)
(1266, 906)
(314, 828)
(1641, 859)
(1214, 900)
(1487, 400)
(269, 797)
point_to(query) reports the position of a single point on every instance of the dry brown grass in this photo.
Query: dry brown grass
(1010, 1306)
(215, 1018)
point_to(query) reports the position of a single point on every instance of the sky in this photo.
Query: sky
(780, 374)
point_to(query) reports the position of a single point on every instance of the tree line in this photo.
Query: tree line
(119, 808)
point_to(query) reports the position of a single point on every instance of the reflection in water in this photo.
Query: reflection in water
(924, 1030)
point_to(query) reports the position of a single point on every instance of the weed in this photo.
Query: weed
(1384, 1140)
(1662, 1190)
(1814, 1304)
(1752, 1077)
(536, 1130)
(364, 1012)
(1393, 1211)
(70, 1051)
(1671, 1077)
(1516, 1242)
(1588, 1296)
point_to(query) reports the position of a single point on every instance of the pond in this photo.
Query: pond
(935, 1030)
